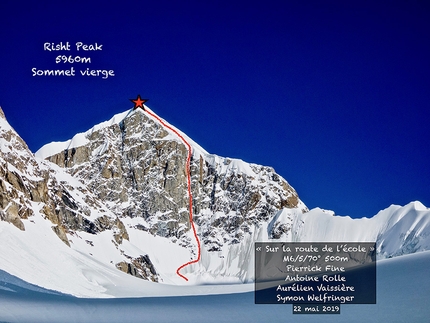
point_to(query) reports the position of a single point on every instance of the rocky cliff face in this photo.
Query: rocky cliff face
(24, 183)
(29, 186)
(137, 168)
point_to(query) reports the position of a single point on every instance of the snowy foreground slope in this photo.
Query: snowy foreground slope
(403, 289)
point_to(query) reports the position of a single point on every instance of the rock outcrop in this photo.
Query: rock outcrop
(140, 267)
(28, 184)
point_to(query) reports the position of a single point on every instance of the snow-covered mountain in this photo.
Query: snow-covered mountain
(92, 215)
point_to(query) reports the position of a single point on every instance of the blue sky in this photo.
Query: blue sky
(334, 95)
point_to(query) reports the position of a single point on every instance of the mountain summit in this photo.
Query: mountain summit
(91, 215)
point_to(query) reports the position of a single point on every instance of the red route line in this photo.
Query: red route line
(190, 197)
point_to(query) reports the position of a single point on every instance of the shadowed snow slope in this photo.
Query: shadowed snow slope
(403, 288)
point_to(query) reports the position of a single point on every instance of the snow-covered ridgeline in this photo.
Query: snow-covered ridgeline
(397, 230)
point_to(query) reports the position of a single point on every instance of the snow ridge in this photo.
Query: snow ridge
(398, 230)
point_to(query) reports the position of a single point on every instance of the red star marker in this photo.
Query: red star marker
(138, 103)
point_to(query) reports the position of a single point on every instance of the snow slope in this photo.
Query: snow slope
(403, 288)
(85, 270)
